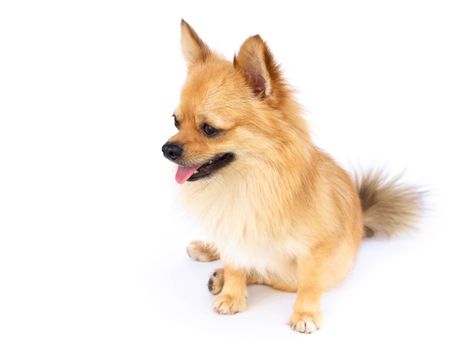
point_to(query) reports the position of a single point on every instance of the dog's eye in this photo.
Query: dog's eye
(208, 130)
(176, 122)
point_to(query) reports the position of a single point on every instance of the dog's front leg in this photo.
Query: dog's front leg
(232, 298)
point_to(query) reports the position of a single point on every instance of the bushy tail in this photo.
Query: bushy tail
(388, 206)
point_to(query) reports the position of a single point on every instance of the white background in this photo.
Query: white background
(92, 234)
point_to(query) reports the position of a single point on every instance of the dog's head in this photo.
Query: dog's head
(229, 112)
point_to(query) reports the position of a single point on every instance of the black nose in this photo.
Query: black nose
(172, 151)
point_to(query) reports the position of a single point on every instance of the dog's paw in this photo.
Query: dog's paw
(202, 251)
(216, 282)
(305, 322)
(227, 304)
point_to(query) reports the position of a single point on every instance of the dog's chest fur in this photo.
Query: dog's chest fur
(238, 221)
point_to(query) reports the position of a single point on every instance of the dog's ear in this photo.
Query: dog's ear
(193, 48)
(258, 66)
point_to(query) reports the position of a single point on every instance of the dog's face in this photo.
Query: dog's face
(227, 109)
(205, 141)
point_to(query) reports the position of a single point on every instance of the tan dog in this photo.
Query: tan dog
(278, 210)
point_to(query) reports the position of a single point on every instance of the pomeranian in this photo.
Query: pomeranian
(278, 210)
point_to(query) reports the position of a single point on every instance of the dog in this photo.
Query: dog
(278, 210)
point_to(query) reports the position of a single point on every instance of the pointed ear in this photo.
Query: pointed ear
(193, 48)
(258, 66)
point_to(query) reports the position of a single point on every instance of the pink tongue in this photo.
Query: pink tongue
(183, 173)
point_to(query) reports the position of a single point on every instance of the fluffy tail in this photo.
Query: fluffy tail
(388, 206)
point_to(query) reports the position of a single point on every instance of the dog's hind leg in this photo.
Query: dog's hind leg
(216, 281)
(202, 251)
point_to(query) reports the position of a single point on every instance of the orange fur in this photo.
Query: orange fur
(283, 213)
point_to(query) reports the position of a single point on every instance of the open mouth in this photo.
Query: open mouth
(209, 168)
